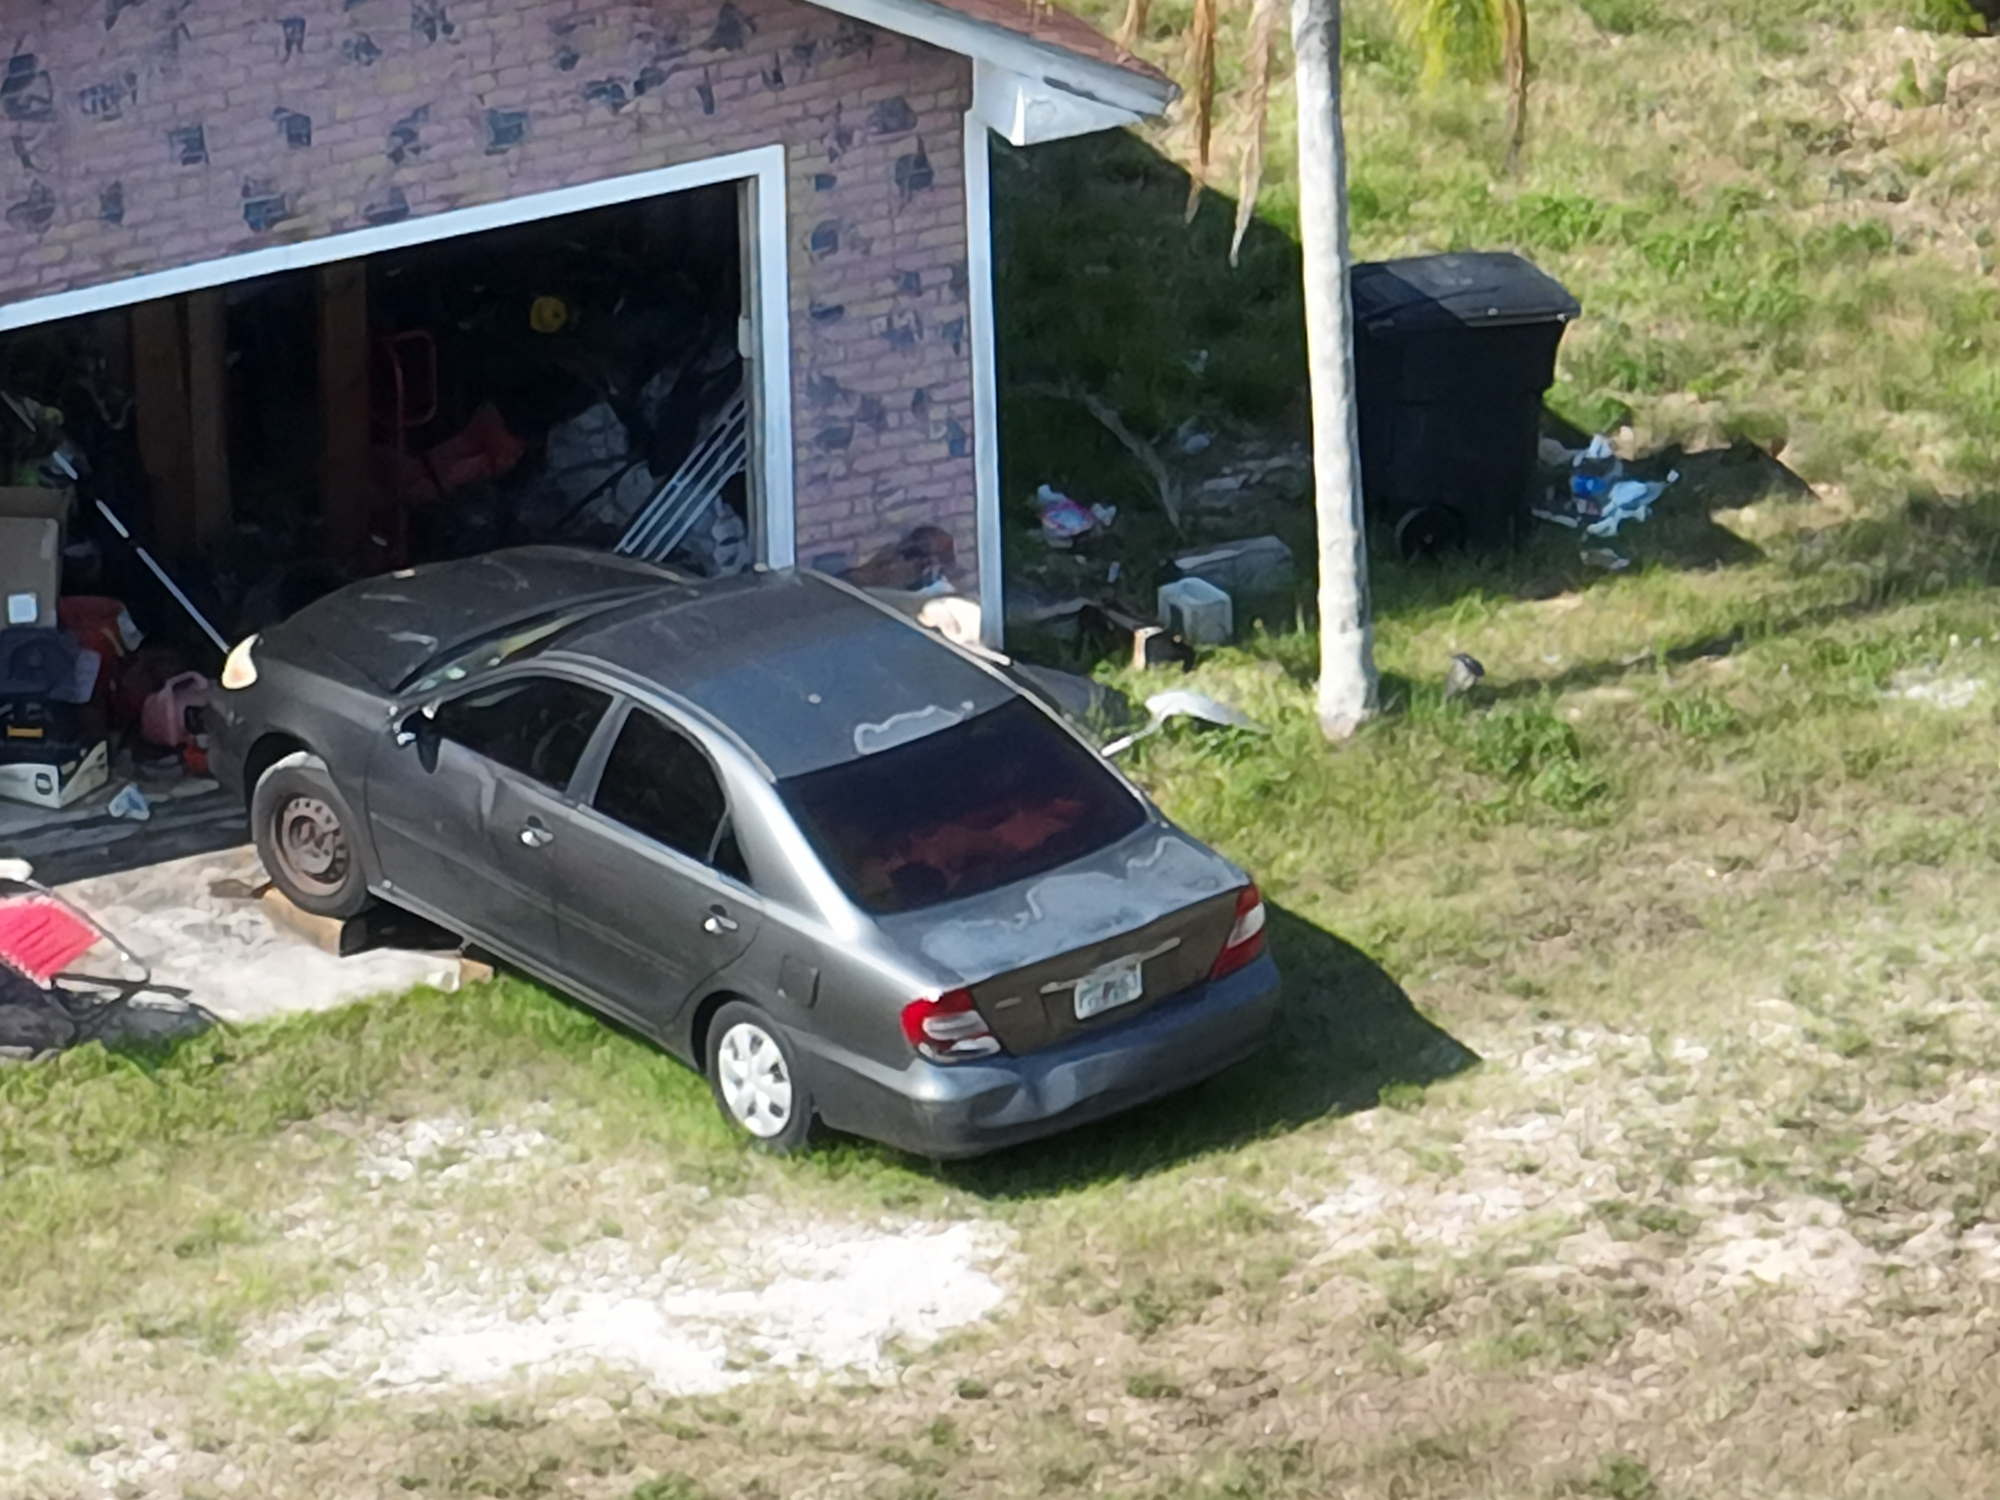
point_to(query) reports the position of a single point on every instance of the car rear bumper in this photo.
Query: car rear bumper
(965, 1109)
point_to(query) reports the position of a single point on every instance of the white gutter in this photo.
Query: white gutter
(985, 380)
(1084, 78)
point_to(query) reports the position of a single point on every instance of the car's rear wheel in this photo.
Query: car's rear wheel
(755, 1078)
(303, 831)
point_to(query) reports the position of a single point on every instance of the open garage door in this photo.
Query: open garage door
(606, 367)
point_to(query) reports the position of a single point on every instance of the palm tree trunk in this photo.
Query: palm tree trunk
(1514, 64)
(1346, 646)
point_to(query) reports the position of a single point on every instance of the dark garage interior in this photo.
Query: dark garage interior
(575, 379)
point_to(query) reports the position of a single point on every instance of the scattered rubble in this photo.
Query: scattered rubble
(1600, 496)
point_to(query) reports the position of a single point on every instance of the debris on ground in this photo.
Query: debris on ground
(1197, 611)
(130, 802)
(1102, 626)
(1183, 703)
(1064, 519)
(952, 616)
(1463, 675)
(1257, 565)
(1604, 558)
(1156, 646)
(47, 1005)
(1599, 496)
(590, 464)
(923, 561)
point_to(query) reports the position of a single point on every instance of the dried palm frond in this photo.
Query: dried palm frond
(1133, 26)
(1201, 43)
(1514, 66)
(1452, 36)
(1474, 38)
(1263, 34)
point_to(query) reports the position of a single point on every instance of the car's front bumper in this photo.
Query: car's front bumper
(226, 747)
(964, 1109)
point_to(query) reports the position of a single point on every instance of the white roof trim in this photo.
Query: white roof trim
(1133, 95)
(1025, 111)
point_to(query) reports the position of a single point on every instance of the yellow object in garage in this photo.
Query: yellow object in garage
(548, 315)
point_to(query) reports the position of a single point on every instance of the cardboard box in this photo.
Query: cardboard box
(56, 783)
(33, 523)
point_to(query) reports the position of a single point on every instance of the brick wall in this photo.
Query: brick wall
(153, 133)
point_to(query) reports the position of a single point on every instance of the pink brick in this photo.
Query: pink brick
(231, 75)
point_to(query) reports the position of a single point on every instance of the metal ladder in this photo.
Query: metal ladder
(665, 520)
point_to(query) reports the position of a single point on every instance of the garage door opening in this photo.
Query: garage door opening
(545, 382)
(578, 378)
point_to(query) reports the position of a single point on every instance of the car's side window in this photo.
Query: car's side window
(538, 726)
(659, 784)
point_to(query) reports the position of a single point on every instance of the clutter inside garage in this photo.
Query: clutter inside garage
(181, 473)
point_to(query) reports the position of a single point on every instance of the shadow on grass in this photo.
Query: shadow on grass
(1682, 534)
(1925, 549)
(1104, 288)
(1346, 1032)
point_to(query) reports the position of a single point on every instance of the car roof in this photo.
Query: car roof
(387, 628)
(805, 671)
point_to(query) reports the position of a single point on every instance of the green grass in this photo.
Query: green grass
(1757, 254)
(1766, 833)
(1711, 901)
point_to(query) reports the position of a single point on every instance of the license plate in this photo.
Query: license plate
(1110, 987)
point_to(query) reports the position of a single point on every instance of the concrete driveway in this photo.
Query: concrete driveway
(201, 925)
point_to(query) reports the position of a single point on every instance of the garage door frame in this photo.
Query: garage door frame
(765, 340)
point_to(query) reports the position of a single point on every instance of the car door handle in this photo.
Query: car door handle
(718, 922)
(535, 836)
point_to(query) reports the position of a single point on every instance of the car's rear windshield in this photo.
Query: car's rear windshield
(1001, 797)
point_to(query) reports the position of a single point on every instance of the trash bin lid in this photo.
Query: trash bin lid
(1478, 289)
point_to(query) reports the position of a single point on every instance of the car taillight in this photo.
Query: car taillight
(949, 1028)
(1246, 938)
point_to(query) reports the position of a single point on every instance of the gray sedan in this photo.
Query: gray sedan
(853, 873)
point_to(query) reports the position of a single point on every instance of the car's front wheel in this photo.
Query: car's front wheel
(303, 831)
(755, 1079)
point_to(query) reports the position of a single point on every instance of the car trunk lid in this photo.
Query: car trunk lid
(1091, 944)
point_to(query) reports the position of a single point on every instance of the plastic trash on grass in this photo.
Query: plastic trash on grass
(1064, 519)
(1602, 497)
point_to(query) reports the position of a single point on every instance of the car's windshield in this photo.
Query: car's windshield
(511, 642)
(1001, 797)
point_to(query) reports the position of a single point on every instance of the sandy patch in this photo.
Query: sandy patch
(810, 1299)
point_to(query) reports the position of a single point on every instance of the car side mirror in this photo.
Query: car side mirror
(420, 729)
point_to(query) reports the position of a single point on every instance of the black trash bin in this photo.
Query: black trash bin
(1452, 354)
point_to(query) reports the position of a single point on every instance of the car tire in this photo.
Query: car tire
(304, 833)
(753, 1073)
(1426, 533)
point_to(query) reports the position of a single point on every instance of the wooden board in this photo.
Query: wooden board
(344, 396)
(160, 411)
(208, 517)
